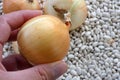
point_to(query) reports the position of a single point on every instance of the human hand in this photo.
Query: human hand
(15, 67)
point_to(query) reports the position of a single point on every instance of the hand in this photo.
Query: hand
(15, 67)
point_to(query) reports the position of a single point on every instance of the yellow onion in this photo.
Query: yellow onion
(44, 39)
(76, 8)
(15, 5)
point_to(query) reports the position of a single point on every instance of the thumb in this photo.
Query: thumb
(42, 72)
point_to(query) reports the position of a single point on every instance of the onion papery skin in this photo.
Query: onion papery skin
(44, 39)
(76, 8)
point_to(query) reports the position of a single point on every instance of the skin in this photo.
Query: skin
(15, 66)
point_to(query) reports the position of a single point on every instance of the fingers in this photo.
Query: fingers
(13, 21)
(16, 19)
(15, 62)
(42, 72)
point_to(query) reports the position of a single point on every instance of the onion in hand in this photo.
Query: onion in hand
(44, 39)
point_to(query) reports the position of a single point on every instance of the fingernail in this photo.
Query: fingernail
(41, 12)
(59, 68)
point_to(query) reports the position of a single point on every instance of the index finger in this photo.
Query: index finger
(13, 21)
(16, 19)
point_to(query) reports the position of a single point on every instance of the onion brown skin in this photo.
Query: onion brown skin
(15, 5)
(44, 39)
